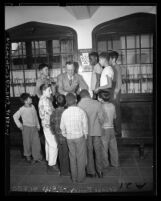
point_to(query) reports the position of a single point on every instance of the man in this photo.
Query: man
(74, 126)
(45, 111)
(96, 72)
(70, 82)
(95, 117)
(117, 88)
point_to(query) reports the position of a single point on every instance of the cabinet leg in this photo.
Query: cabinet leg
(141, 151)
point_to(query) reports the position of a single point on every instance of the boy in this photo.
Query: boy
(96, 72)
(107, 73)
(94, 114)
(108, 134)
(117, 89)
(29, 128)
(62, 143)
(74, 126)
(45, 111)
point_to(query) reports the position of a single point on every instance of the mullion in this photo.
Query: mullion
(23, 67)
(11, 59)
(126, 63)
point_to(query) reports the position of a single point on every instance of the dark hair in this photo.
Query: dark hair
(94, 54)
(24, 97)
(105, 95)
(44, 87)
(43, 65)
(60, 99)
(114, 54)
(104, 55)
(69, 63)
(70, 99)
(84, 93)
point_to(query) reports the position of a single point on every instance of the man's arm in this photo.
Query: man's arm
(16, 118)
(60, 85)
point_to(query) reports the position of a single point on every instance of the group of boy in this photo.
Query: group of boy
(78, 133)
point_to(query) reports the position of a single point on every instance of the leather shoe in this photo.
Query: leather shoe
(100, 174)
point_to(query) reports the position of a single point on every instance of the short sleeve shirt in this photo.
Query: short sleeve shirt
(97, 69)
(107, 71)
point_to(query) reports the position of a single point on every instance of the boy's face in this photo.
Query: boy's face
(28, 101)
(48, 92)
(45, 71)
(112, 61)
(92, 60)
(102, 61)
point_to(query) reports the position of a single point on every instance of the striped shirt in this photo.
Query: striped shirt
(74, 123)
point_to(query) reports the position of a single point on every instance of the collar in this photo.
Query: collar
(69, 77)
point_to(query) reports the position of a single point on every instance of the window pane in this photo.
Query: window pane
(131, 57)
(56, 46)
(42, 44)
(144, 86)
(123, 56)
(109, 45)
(151, 40)
(145, 56)
(116, 45)
(18, 90)
(66, 46)
(145, 41)
(30, 76)
(130, 41)
(123, 88)
(137, 41)
(122, 39)
(146, 71)
(101, 46)
(56, 59)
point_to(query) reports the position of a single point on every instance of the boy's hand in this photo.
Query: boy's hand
(21, 128)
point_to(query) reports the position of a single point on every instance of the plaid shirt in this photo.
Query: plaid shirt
(55, 119)
(74, 123)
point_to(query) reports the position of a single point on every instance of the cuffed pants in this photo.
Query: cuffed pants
(50, 147)
(109, 144)
(31, 142)
(78, 158)
(94, 146)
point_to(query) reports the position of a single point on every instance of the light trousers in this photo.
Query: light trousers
(50, 147)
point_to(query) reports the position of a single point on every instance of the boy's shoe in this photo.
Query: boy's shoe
(100, 174)
(52, 169)
(91, 175)
(28, 159)
(36, 161)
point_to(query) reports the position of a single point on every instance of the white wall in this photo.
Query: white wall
(16, 15)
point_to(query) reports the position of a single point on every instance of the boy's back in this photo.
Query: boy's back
(109, 114)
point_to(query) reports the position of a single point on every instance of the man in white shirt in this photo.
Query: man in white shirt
(96, 72)
(107, 73)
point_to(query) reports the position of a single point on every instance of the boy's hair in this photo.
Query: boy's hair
(94, 54)
(104, 55)
(24, 97)
(113, 55)
(44, 87)
(43, 65)
(84, 93)
(104, 95)
(69, 63)
(70, 99)
(60, 99)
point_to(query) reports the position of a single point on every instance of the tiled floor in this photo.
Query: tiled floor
(133, 175)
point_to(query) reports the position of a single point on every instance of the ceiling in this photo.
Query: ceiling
(82, 12)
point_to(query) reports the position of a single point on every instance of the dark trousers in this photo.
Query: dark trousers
(78, 158)
(63, 156)
(109, 143)
(94, 160)
(117, 121)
